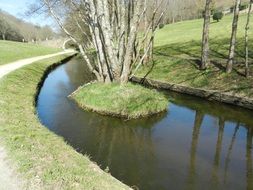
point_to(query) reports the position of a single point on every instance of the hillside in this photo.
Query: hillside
(178, 51)
(13, 28)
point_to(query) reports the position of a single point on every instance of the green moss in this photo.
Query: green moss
(128, 100)
(43, 158)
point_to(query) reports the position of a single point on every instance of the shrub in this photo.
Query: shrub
(243, 6)
(217, 16)
(231, 9)
(161, 26)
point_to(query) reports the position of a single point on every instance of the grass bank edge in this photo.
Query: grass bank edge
(177, 56)
(40, 156)
(130, 101)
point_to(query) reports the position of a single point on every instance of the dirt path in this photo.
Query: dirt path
(7, 68)
(9, 179)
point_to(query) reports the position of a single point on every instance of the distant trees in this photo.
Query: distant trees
(179, 10)
(233, 36)
(205, 36)
(4, 27)
(12, 28)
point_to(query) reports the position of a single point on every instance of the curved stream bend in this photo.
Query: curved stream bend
(196, 143)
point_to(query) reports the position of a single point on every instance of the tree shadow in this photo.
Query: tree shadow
(219, 49)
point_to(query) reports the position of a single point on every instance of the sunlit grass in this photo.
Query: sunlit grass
(42, 157)
(12, 51)
(127, 100)
(178, 52)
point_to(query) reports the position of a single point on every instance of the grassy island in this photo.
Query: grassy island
(128, 101)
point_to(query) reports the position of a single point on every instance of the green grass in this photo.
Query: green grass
(128, 100)
(13, 51)
(178, 52)
(43, 158)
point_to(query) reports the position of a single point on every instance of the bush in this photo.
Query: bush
(243, 7)
(232, 9)
(161, 26)
(218, 15)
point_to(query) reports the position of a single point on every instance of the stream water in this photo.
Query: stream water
(195, 145)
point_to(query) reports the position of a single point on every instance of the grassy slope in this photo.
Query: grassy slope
(178, 50)
(129, 100)
(12, 51)
(44, 158)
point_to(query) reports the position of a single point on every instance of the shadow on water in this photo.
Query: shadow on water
(195, 145)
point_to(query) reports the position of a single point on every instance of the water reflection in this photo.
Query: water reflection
(249, 159)
(227, 159)
(199, 116)
(196, 145)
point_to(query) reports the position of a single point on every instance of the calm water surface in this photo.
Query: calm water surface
(195, 145)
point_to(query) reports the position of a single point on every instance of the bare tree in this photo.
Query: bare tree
(4, 28)
(247, 70)
(205, 37)
(233, 36)
(113, 26)
(152, 17)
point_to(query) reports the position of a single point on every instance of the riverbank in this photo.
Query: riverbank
(125, 101)
(177, 60)
(41, 157)
(211, 95)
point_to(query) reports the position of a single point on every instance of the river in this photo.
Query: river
(197, 144)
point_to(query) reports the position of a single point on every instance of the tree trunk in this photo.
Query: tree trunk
(205, 37)
(146, 43)
(3, 36)
(112, 26)
(247, 70)
(233, 36)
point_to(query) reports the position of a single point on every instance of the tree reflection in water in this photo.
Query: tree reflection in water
(196, 145)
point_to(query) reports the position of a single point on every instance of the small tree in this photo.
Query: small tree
(247, 71)
(218, 15)
(205, 36)
(233, 37)
(161, 26)
(243, 6)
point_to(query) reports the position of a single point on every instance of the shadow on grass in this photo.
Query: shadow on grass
(219, 48)
(179, 63)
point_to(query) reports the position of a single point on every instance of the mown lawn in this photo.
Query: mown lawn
(178, 51)
(43, 158)
(12, 51)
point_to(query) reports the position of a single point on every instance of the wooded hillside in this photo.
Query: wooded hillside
(12, 28)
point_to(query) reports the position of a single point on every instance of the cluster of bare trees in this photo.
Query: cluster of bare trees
(12, 28)
(113, 29)
(231, 56)
(122, 32)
